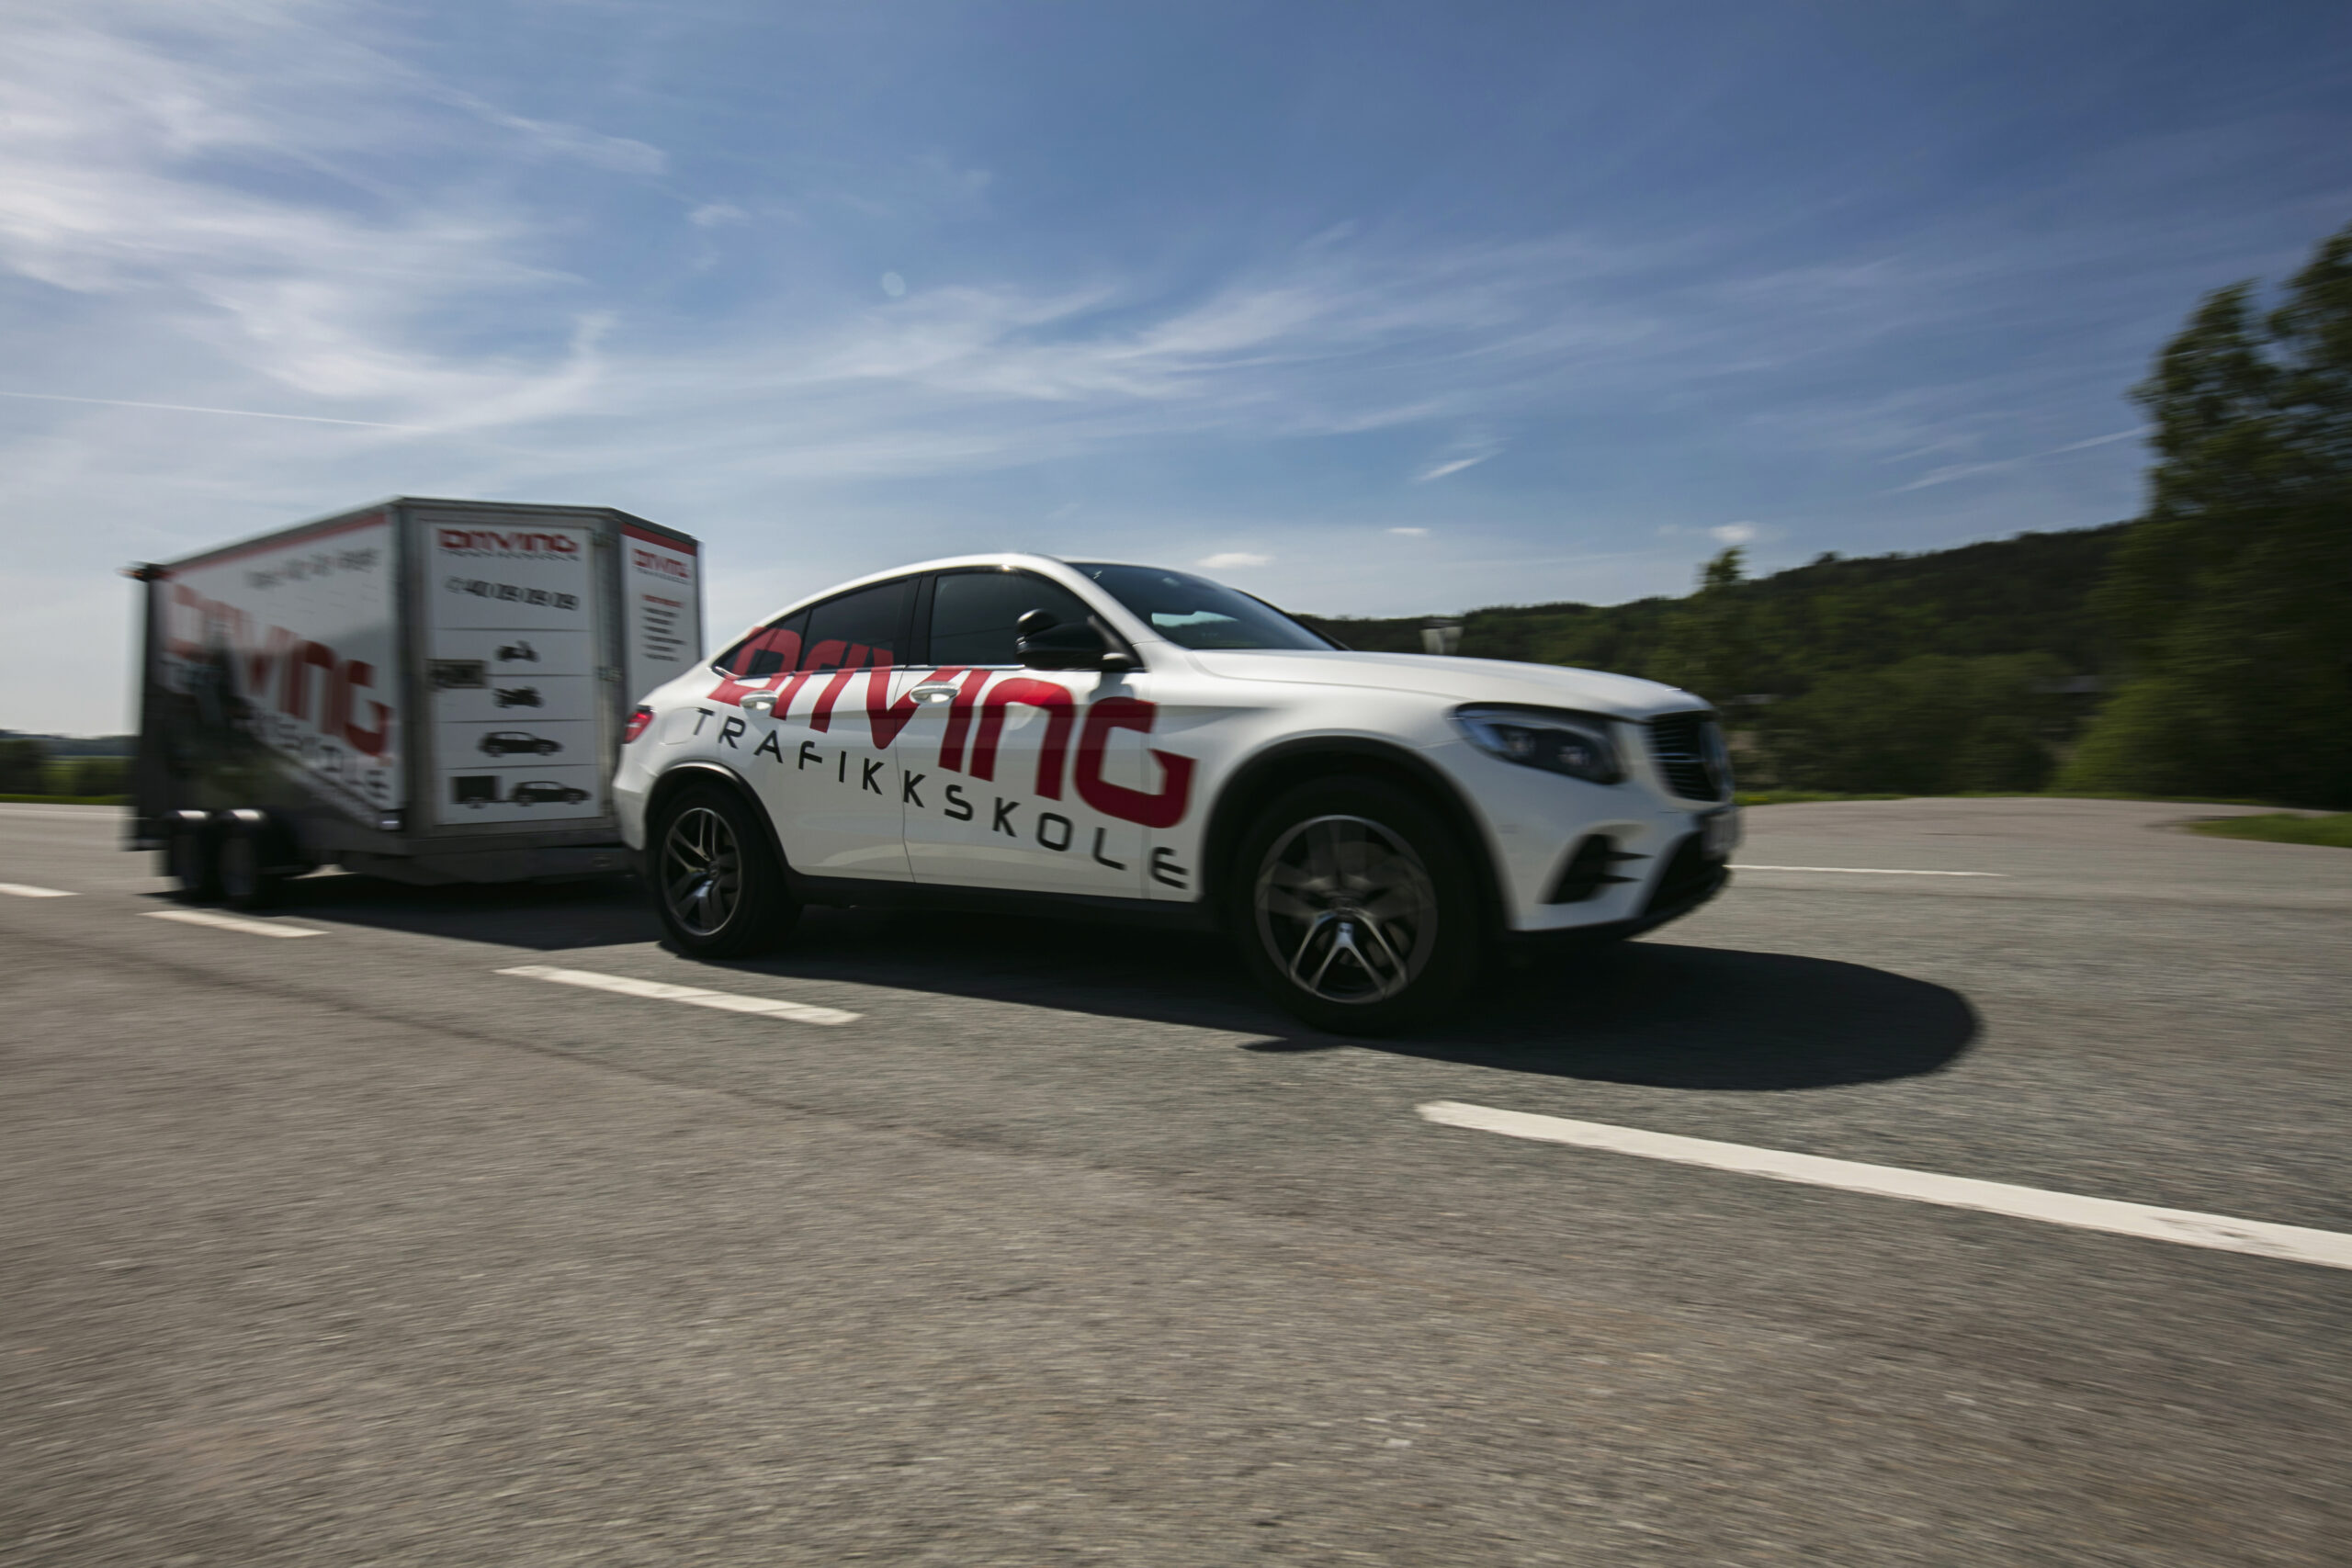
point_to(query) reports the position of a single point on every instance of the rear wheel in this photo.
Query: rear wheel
(250, 859)
(192, 860)
(715, 884)
(1355, 907)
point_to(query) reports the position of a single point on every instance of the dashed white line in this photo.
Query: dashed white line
(26, 890)
(1866, 870)
(230, 923)
(2299, 1244)
(693, 995)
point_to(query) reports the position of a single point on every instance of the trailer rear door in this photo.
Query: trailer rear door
(512, 637)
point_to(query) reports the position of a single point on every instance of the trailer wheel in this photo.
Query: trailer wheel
(717, 888)
(192, 858)
(252, 852)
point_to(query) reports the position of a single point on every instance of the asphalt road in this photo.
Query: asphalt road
(352, 1249)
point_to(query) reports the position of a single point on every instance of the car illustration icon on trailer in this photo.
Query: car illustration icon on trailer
(1020, 732)
(546, 792)
(515, 742)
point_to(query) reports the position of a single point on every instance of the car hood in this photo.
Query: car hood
(1462, 680)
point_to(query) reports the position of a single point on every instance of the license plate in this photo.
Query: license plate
(1719, 832)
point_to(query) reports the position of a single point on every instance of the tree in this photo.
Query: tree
(1709, 643)
(1930, 725)
(2231, 599)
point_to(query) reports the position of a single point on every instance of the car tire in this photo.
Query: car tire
(192, 861)
(718, 887)
(1356, 906)
(250, 856)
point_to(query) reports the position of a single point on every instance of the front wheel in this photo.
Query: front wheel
(1356, 907)
(715, 884)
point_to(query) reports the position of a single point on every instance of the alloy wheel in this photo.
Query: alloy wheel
(1346, 908)
(702, 871)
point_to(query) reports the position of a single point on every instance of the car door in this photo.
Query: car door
(1007, 770)
(813, 691)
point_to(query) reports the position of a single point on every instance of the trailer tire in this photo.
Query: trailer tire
(192, 859)
(719, 889)
(249, 862)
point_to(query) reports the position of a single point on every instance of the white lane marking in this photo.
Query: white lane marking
(230, 923)
(693, 995)
(2299, 1244)
(1865, 871)
(26, 890)
(67, 813)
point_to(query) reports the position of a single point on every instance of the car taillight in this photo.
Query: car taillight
(636, 723)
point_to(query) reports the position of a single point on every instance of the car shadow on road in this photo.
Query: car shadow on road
(1675, 1015)
(546, 918)
(1661, 1013)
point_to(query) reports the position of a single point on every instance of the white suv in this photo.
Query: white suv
(1014, 731)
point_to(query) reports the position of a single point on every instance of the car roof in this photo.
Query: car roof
(1051, 566)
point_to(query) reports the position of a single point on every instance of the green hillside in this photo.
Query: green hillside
(1973, 668)
(2028, 594)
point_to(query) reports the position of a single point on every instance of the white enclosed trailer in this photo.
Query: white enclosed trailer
(431, 691)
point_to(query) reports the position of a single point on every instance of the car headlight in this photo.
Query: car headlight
(1576, 744)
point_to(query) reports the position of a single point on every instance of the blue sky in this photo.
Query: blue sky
(1375, 308)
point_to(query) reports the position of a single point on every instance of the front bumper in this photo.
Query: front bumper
(1534, 823)
(1691, 876)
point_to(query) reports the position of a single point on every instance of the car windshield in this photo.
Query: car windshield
(1193, 611)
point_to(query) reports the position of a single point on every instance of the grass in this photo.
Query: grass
(66, 799)
(2281, 828)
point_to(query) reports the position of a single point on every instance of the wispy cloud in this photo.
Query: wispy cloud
(190, 408)
(1410, 533)
(1733, 534)
(621, 155)
(1451, 465)
(1467, 454)
(1228, 559)
(1949, 472)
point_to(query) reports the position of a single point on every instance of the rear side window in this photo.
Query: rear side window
(847, 633)
(771, 651)
(973, 614)
(857, 629)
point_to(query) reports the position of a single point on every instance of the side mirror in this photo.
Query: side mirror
(1043, 643)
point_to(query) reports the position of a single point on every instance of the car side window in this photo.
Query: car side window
(857, 629)
(771, 651)
(973, 613)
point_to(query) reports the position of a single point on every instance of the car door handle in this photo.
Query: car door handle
(759, 701)
(931, 692)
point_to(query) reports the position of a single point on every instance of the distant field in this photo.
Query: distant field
(2281, 828)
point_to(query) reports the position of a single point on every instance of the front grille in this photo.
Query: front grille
(1690, 751)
